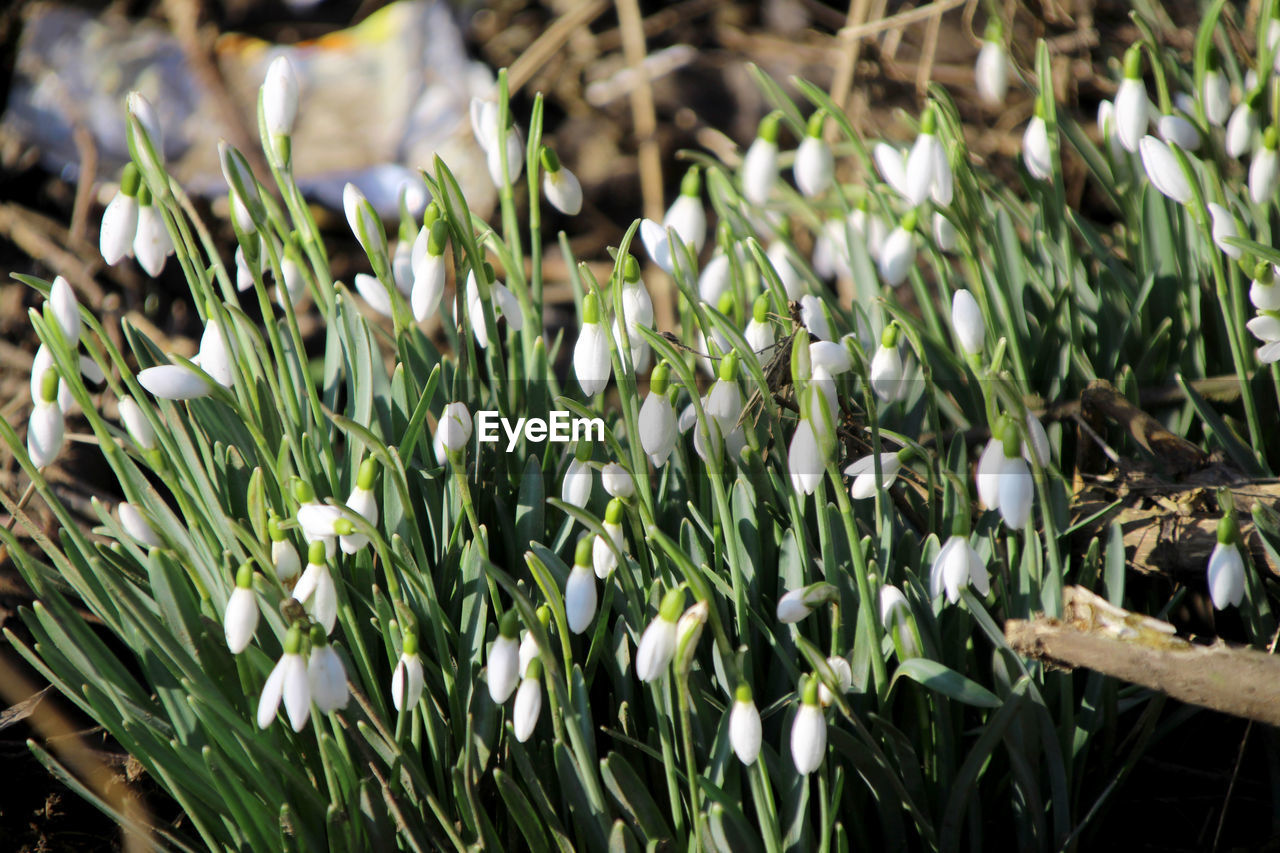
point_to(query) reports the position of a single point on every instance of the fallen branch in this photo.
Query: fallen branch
(1097, 635)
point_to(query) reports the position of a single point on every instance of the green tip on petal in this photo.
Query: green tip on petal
(49, 386)
(760, 308)
(550, 161)
(1227, 530)
(809, 692)
(630, 269)
(437, 237)
(244, 576)
(691, 185)
(130, 179)
(367, 475)
(613, 512)
(1133, 62)
(729, 367)
(582, 554)
(814, 127)
(929, 121)
(769, 128)
(293, 640)
(743, 693)
(303, 492)
(509, 625)
(590, 308)
(672, 604)
(410, 643)
(658, 380)
(315, 553)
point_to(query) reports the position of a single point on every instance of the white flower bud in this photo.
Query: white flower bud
(280, 97)
(1035, 149)
(524, 717)
(956, 566)
(327, 679)
(966, 319)
(1163, 170)
(136, 525)
(744, 727)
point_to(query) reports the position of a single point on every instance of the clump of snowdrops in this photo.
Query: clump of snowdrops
(764, 611)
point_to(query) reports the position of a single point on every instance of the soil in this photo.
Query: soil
(1176, 796)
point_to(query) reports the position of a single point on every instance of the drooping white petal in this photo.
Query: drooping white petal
(504, 669)
(240, 619)
(174, 382)
(375, 293)
(66, 309)
(966, 320)
(280, 96)
(1015, 492)
(814, 167)
(886, 373)
(1178, 131)
(988, 473)
(892, 166)
(1224, 227)
(657, 645)
(215, 354)
(45, 433)
(1226, 576)
(745, 731)
(297, 692)
(151, 243)
(1035, 149)
(657, 428)
(688, 219)
(591, 363)
(1264, 175)
(759, 170)
(1163, 170)
(576, 487)
(991, 73)
(563, 191)
(524, 717)
(327, 680)
(136, 525)
(580, 599)
(808, 738)
(897, 256)
(407, 682)
(804, 459)
(1241, 129)
(921, 168)
(119, 227)
(1132, 112)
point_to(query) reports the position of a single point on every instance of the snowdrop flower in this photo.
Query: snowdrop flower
(1226, 567)
(991, 71)
(66, 310)
(575, 488)
(892, 167)
(842, 675)
(284, 556)
(426, 259)
(1216, 92)
(863, 473)
(760, 164)
(686, 216)
(1264, 171)
(895, 615)
(658, 643)
(805, 461)
(1264, 293)
(724, 400)
(1016, 489)
(1132, 104)
(280, 106)
(580, 591)
(529, 645)
(295, 280)
(174, 382)
(956, 566)
(829, 356)
(885, 373)
(365, 224)
(524, 718)
(809, 731)
(214, 357)
(1107, 129)
(898, 254)
(1162, 168)
(657, 423)
(1035, 147)
(1224, 227)
(46, 430)
(150, 147)
(966, 320)
(320, 522)
(120, 219)
(944, 233)
(240, 619)
(637, 311)
(1244, 125)
(1266, 328)
(362, 503)
(504, 659)
(484, 124)
(504, 303)
(326, 677)
(315, 589)
(759, 333)
(928, 172)
(407, 679)
(136, 423)
(402, 262)
(987, 474)
(799, 603)
(813, 316)
(716, 278)
(617, 481)
(688, 632)
(287, 681)
(374, 293)
(136, 525)
(814, 167)
(779, 257)
(603, 557)
(559, 185)
(744, 726)
(1178, 131)
(151, 243)
(453, 431)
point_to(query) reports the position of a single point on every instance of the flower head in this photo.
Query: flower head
(241, 617)
(288, 681)
(808, 731)
(744, 726)
(504, 659)
(658, 643)
(407, 679)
